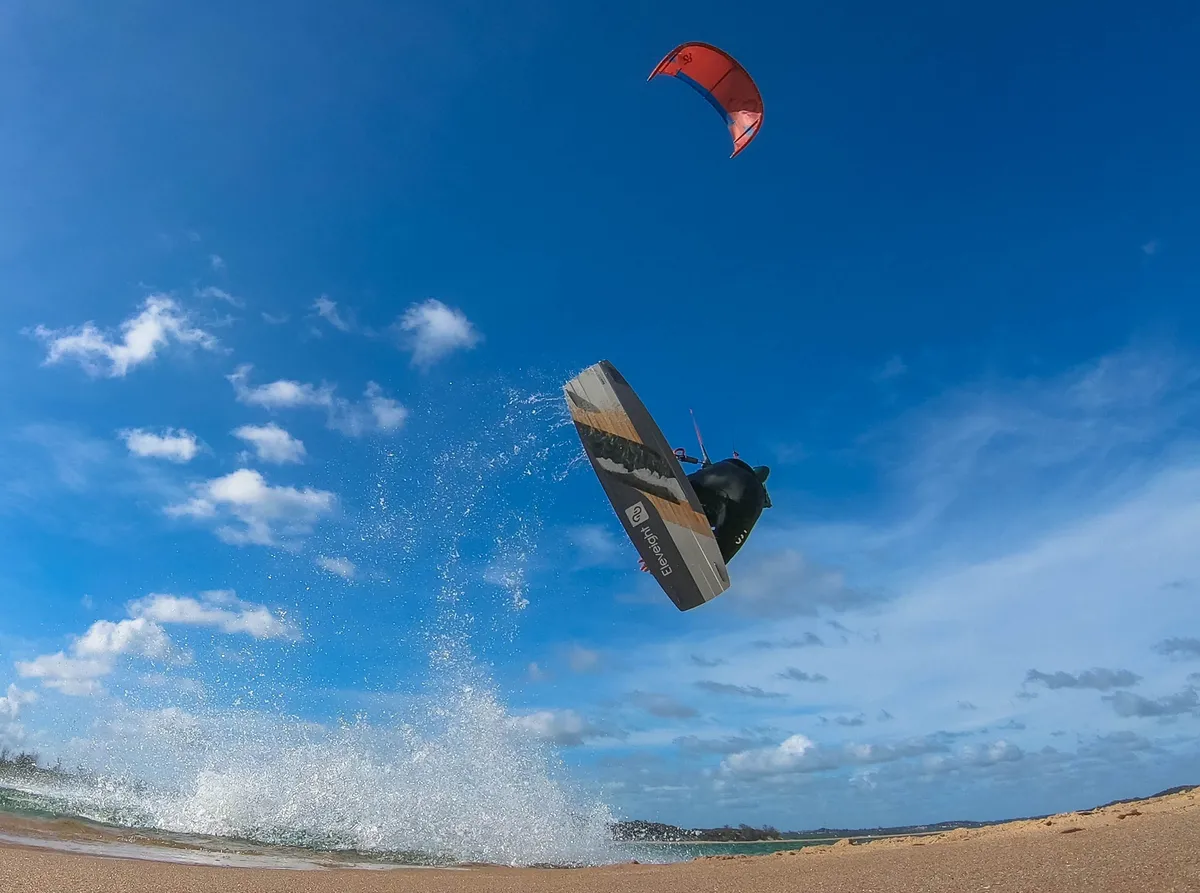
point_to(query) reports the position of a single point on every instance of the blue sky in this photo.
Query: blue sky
(289, 294)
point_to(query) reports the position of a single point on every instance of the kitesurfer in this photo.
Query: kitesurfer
(733, 495)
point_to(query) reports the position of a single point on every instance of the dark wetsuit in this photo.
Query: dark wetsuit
(733, 496)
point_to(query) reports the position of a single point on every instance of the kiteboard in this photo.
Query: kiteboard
(647, 487)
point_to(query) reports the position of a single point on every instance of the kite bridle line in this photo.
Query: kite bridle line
(700, 439)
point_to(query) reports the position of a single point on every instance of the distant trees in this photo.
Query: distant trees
(26, 763)
(19, 762)
(656, 831)
(741, 834)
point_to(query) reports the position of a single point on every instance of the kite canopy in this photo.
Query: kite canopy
(720, 79)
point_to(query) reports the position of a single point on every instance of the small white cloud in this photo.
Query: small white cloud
(328, 311)
(268, 514)
(534, 673)
(217, 262)
(78, 461)
(172, 445)
(11, 703)
(799, 754)
(791, 754)
(219, 294)
(281, 394)
(893, 368)
(431, 330)
(160, 322)
(70, 675)
(220, 609)
(784, 582)
(563, 727)
(583, 660)
(273, 319)
(660, 705)
(376, 411)
(342, 567)
(388, 414)
(271, 443)
(595, 545)
(1127, 704)
(140, 636)
(94, 655)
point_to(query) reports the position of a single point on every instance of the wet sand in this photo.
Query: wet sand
(1144, 847)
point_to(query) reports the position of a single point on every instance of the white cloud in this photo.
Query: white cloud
(783, 582)
(1126, 703)
(328, 311)
(272, 443)
(893, 368)
(660, 705)
(795, 674)
(1098, 678)
(534, 673)
(741, 691)
(1179, 647)
(1000, 447)
(583, 660)
(281, 394)
(565, 728)
(220, 609)
(160, 322)
(273, 319)
(94, 655)
(76, 678)
(217, 262)
(172, 445)
(376, 411)
(70, 675)
(219, 294)
(78, 460)
(387, 413)
(800, 754)
(791, 754)
(11, 703)
(431, 330)
(342, 567)
(595, 545)
(139, 636)
(268, 514)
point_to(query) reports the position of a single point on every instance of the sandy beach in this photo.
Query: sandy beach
(1143, 847)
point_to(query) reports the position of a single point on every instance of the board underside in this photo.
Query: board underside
(646, 485)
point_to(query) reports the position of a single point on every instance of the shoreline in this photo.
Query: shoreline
(1149, 846)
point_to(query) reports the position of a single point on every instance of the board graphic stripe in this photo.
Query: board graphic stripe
(611, 418)
(681, 515)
